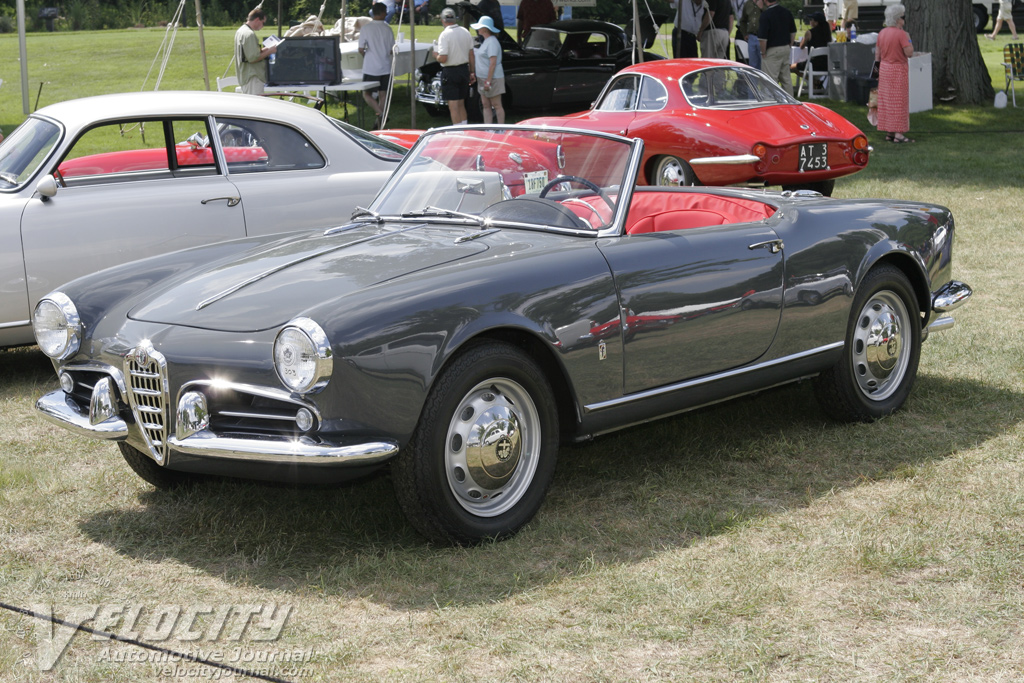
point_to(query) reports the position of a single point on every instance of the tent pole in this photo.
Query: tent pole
(24, 57)
(202, 44)
(637, 40)
(412, 64)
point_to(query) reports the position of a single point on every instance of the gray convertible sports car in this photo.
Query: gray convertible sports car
(509, 289)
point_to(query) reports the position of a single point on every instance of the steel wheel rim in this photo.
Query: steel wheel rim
(492, 447)
(670, 172)
(880, 353)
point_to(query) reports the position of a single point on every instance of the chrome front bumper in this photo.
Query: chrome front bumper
(952, 295)
(59, 409)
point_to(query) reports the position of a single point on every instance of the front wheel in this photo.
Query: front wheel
(883, 346)
(672, 171)
(483, 454)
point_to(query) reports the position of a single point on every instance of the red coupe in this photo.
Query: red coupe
(716, 122)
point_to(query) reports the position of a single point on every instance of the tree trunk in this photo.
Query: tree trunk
(945, 28)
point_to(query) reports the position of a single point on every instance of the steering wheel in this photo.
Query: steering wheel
(582, 181)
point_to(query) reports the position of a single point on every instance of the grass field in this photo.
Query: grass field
(751, 541)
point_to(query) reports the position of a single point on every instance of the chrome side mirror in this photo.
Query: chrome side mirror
(47, 187)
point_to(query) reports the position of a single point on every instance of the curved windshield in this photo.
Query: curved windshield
(526, 176)
(25, 149)
(729, 87)
(545, 40)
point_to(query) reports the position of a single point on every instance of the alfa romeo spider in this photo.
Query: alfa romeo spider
(510, 289)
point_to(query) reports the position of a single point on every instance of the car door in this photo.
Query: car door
(694, 302)
(128, 192)
(273, 164)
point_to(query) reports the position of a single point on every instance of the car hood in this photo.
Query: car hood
(277, 280)
(787, 124)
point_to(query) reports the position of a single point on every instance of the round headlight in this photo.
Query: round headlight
(302, 356)
(57, 327)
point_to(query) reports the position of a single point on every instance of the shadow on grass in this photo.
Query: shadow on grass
(618, 500)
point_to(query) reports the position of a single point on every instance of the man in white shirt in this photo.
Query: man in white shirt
(375, 45)
(455, 53)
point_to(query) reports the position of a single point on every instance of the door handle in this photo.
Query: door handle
(232, 201)
(774, 246)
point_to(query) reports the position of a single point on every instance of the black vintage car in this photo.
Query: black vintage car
(510, 289)
(563, 64)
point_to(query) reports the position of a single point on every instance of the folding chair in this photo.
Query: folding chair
(809, 75)
(742, 50)
(1013, 62)
(228, 82)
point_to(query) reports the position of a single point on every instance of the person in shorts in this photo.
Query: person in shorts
(455, 54)
(1005, 14)
(376, 41)
(490, 77)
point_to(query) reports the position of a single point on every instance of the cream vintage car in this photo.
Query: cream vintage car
(100, 181)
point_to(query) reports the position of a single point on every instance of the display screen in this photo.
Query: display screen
(306, 60)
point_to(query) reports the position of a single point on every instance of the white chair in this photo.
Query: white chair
(228, 82)
(742, 49)
(809, 76)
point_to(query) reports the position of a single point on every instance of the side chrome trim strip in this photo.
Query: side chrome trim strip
(737, 159)
(650, 393)
(16, 323)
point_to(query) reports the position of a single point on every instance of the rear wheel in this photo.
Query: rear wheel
(980, 18)
(672, 171)
(883, 346)
(483, 454)
(155, 474)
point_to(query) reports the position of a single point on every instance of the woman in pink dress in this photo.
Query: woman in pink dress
(893, 51)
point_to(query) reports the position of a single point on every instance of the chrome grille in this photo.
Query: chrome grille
(146, 372)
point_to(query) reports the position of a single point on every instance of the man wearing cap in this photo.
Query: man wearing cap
(490, 77)
(454, 52)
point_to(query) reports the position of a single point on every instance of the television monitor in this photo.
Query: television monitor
(306, 60)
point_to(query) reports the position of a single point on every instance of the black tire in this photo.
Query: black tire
(980, 18)
(436, 111)
(496, 396)
(670, 171)
(876, 372)
(155, 474)
(823, 187)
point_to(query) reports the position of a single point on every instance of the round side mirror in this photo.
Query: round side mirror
(47, 186)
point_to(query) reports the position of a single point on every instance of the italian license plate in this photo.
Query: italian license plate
(535, 181)
(814, 157)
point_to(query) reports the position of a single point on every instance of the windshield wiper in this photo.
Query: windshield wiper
(9, 177)
(437, 211)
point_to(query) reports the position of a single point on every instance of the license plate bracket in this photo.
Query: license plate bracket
(813, 157)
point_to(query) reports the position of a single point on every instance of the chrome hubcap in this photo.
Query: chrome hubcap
(879, 357)
(492, 447)
(671, 173)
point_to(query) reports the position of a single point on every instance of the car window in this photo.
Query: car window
(732, 88)
(653, 95)
(586, 45)
(117, 152)
(621, 94)
(25, 149)
(545, 40)
(253, 146)
(192, 146)
(384, 149)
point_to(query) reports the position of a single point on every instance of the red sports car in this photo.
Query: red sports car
(716, 122)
